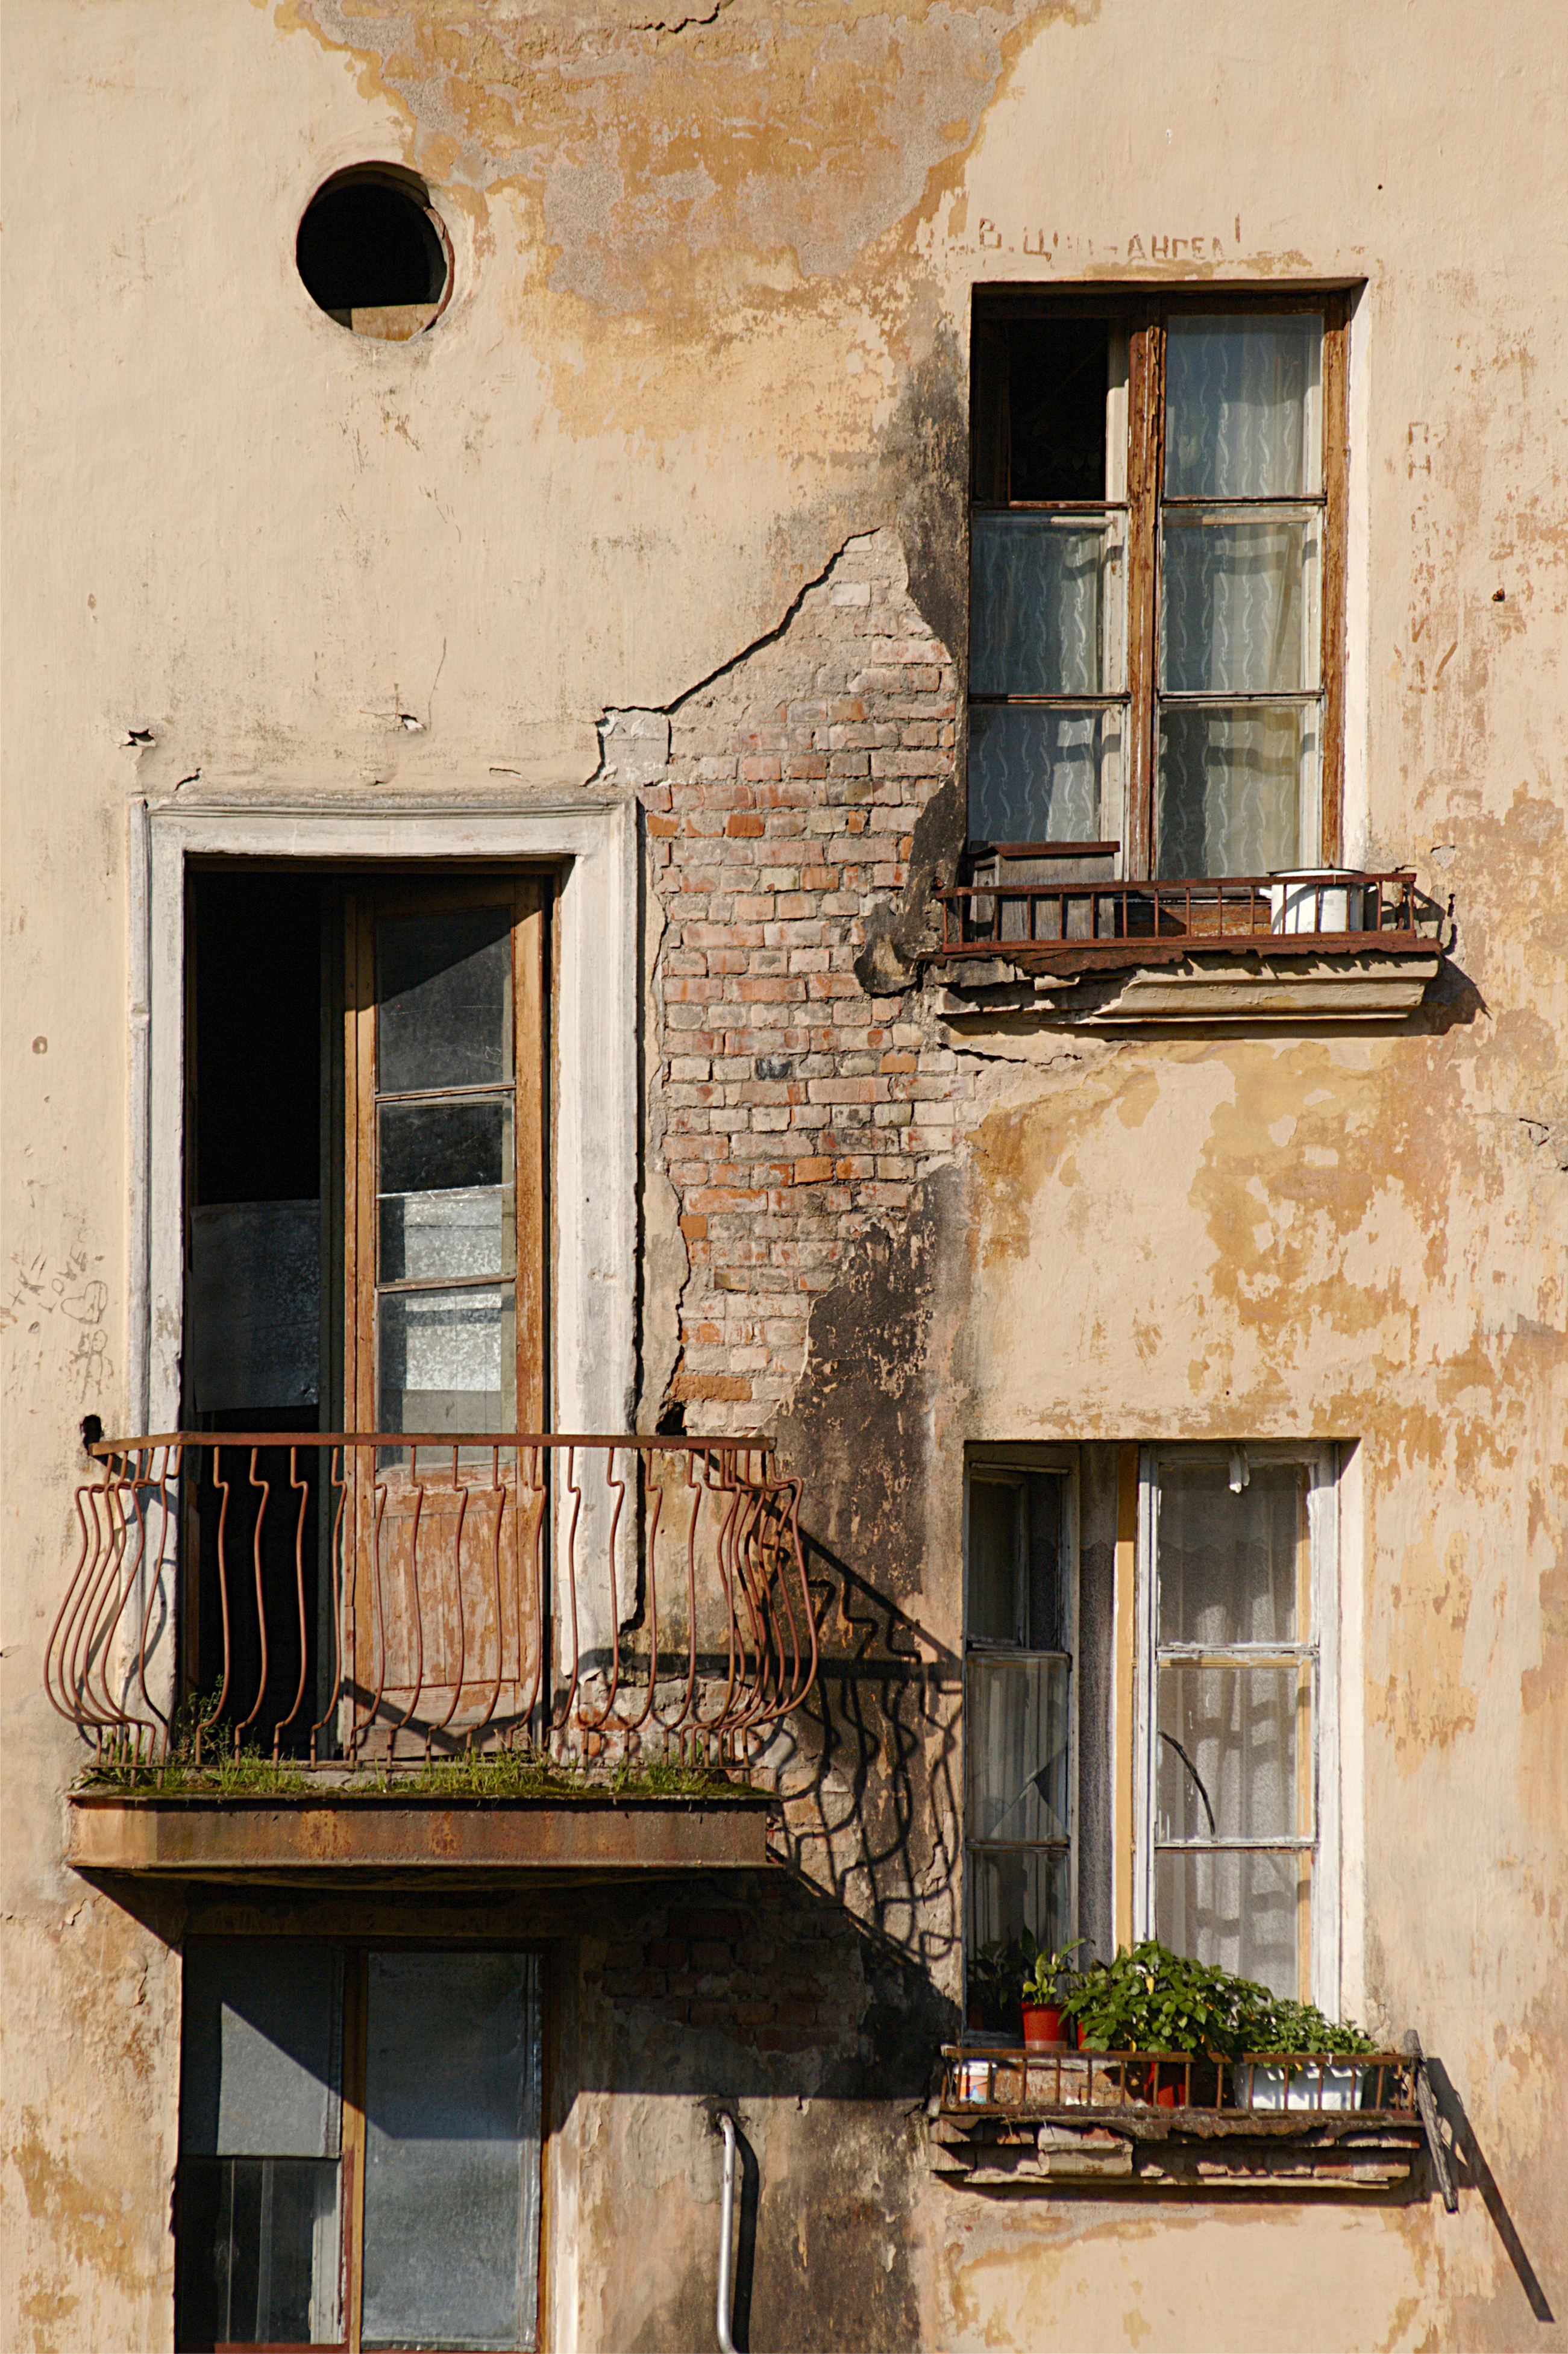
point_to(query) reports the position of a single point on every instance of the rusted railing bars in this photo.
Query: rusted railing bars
(1030, 2079)
(335, 1593)
(1121, 921)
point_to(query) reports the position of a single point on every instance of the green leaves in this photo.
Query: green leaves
(1151, 1999)
(1046, 1974)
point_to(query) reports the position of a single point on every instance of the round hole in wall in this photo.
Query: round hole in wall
(373, 253)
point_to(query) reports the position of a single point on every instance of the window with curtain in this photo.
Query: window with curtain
(1156, 618)
(1235, 1813)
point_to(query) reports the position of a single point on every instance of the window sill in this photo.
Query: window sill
(1130, 985)
(1153, 2150)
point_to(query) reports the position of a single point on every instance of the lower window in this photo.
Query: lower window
(359, 2148)
(1152, 1727)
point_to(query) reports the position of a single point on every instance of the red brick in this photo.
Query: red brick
(745, 824)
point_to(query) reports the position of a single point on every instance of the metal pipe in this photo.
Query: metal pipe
(725, 2124)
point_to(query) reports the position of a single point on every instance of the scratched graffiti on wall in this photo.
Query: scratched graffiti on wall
(52, 1312)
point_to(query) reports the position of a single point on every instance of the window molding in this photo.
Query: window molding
(595, 1017)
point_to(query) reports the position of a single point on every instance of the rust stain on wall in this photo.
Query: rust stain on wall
(799, 134)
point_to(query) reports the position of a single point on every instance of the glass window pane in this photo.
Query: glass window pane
(1041, 775)
(1229, 785)
(1016, 1746)
(446, 1200)
(1230, 1563)
(996, 1508)
(1047, 1596)
(1241, 406)
(1238, 609)
(448, 1359)
(1230, 1742)
(257, 2252)
(1029, 1888)
(1246, 1911)
(260, 2054)
(1044, 606)
(451, 2177)
(1038, 413)
(444, 991)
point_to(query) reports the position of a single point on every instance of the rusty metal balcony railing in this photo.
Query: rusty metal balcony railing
(1079, 926)
(1034, 2080)
(333, 1600)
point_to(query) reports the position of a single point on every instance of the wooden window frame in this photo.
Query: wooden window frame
(1143, 315)
(353, 2026)
(369, 898)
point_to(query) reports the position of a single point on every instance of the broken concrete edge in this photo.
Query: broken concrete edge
(1205, 989)
(1362, 2152)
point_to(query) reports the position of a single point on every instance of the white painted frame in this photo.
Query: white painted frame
(594, 1029)
(593, 1013)
(1324, 1650)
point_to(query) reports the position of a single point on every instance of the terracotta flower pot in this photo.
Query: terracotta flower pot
(1044, 2023)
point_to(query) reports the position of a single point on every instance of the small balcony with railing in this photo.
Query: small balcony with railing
(1050, 923)
(294, 1654)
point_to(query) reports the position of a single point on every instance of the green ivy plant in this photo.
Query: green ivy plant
(995, 1973)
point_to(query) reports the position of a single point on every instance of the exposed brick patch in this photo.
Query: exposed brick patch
(793, 1110)
(779, 1977)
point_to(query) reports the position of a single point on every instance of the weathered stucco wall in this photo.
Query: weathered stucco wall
(703, 370)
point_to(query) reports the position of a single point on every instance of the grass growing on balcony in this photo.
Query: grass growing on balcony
(472, 1774)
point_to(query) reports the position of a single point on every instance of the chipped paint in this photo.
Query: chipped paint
(689, 437)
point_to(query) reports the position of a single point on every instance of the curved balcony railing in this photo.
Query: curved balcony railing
(340, 1599)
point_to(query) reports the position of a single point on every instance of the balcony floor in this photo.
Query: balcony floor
(366, 1840)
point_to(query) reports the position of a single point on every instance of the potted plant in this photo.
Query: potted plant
(1150, 2000)
(1044, 1981)
(1314, 2070)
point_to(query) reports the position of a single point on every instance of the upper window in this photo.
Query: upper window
(1155, 610)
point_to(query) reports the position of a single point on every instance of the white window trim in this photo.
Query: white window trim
(1322, 1520)
(594, 1015)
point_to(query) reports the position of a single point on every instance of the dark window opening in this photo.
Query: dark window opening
(262, 1260)
(1039, 409)
(369, 246)
(373, 1044)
